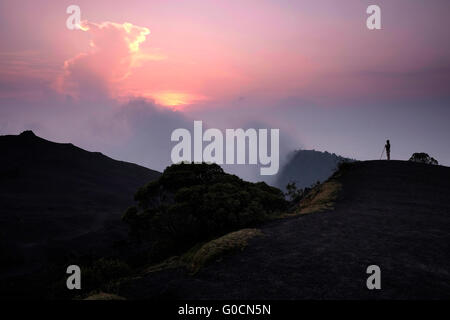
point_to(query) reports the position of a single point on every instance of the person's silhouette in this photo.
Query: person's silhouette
(388, 150)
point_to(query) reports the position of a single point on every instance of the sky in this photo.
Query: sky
(136, 70)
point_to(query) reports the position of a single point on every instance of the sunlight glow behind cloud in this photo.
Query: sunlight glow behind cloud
(175, 99)
(107, 68)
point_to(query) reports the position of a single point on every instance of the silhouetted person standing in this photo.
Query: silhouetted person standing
(388, 150)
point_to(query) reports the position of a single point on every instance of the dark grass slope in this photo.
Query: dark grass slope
(393, 214)
(56, 198)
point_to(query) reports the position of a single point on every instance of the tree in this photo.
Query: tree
(293, 193)
(422, 157)
(192, 203)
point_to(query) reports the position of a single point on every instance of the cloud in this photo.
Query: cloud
(114, 52)
(147, 130)
(26, 74)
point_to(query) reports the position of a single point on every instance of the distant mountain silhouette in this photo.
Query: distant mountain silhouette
(306, 167)
(56, 197)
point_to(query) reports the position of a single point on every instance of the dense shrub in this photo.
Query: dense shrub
(191, 203)
(423, 157)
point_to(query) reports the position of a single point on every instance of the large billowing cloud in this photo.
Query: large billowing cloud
(108, 67)
(114, 52)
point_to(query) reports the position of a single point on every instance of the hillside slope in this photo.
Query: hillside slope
(392, 214)
(55, 198)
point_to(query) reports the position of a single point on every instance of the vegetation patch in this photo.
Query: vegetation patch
(194, 203)
(104, 296)
(202, 254)
(321, 197)
(170, 263)
(217, 248)
(422, 157)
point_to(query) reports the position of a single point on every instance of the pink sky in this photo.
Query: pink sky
(199, 51)
(211, 58)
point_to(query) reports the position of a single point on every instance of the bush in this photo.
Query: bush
(422, 157)
(294, 194)
(191, 203)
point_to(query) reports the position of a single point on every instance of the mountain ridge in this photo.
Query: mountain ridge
(57, 198)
